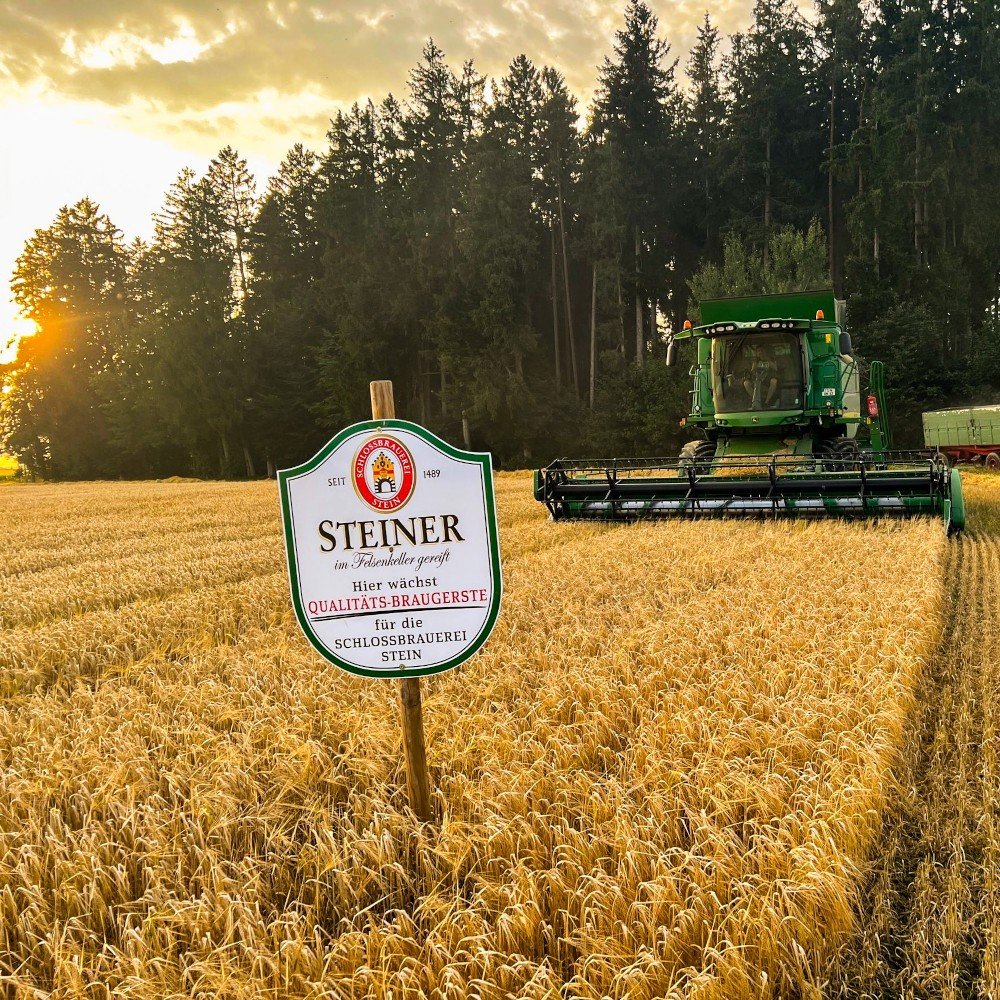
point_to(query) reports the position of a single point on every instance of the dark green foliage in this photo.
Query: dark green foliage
(790, 261)
(71, 281)
(514, 272)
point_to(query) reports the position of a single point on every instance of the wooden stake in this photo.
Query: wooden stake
(418, 784)
(410, 704)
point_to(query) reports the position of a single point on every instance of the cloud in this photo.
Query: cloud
(187, 56)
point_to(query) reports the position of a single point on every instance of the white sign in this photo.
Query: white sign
(393, 551)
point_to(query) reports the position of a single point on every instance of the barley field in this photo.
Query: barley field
(713, 760)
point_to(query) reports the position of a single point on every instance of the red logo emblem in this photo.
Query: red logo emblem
(383, 474)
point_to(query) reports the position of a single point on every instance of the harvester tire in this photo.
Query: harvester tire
(836, 452)
(993, 461)
(699, 453)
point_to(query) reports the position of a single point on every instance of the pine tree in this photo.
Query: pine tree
(638, 112)
(504, 269)
(287, 259)
(705, 142)
(202, 372)
(70, 280)
(776, 144)
(843, 35)
(230, 178)
(499, 242)
(558, 175)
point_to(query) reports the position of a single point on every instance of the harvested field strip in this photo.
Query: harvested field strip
(660, 777)
(931, 926)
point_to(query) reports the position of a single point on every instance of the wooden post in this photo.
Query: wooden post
(410, 705)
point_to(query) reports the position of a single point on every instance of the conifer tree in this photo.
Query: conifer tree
(70, 280)
(638, 112)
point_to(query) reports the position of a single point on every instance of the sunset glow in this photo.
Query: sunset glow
(111, 101)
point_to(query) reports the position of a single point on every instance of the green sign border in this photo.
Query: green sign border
(484, 460)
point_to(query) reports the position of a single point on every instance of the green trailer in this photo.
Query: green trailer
(785, 429)
(965, 434)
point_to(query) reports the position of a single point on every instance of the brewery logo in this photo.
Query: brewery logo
(383, 474)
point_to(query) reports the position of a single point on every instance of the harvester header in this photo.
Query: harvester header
(785, 430)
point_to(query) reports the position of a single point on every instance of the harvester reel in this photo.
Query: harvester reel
(883, 484)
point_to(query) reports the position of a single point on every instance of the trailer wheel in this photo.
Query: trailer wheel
(993, 461)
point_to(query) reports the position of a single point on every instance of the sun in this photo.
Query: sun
(13, 328)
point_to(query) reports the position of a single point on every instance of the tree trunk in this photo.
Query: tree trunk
(569, 307)
(829, 180)
(767, 199)
(223, 456)
(248, 458)
(272, 472)
(555, 313)
(593, 332)
(654, 332)
(639, 331)
(916, 197)
(238, 234)
(621, 312)
(444, 389)
(708, 216)
(466, 436)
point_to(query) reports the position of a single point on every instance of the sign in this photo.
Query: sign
(393, 551)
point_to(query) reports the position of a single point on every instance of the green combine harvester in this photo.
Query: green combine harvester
(785, 431)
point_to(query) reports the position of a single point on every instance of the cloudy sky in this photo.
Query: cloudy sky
(111, 98)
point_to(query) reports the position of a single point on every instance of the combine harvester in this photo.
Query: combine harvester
(777, 396)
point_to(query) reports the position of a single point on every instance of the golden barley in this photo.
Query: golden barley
(663, 776)
(931, 921)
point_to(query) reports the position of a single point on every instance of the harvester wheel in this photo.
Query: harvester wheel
(836, 452)
(700, 453)
(993, 461)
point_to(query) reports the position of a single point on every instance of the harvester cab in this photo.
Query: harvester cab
(773, 376)
(785, 429)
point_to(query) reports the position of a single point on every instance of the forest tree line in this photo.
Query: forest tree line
(512, 261)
